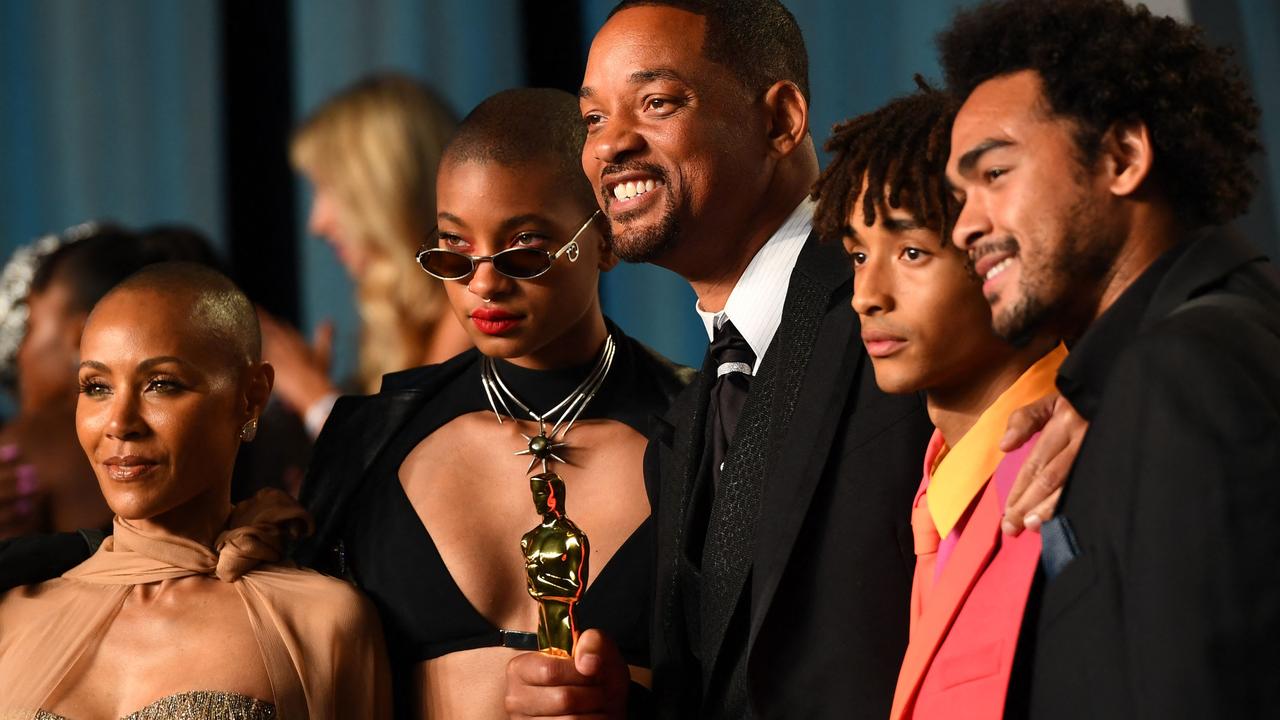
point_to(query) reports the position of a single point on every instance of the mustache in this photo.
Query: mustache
(1007, 245)
(630, 166)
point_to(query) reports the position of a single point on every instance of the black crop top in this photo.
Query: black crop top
(384, 546)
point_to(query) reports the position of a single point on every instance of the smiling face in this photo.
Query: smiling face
(161, 405)
(548, 321)
(1034, 219)
(676, 147)
(924, 321)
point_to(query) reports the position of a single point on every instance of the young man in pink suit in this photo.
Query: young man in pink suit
(927, 328)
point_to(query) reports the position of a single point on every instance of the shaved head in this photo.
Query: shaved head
(526, 126)
(213, 303)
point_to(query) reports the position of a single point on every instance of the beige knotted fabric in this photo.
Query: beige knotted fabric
(320, 639)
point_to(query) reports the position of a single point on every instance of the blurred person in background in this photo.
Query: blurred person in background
(370, 153)
(45, 483)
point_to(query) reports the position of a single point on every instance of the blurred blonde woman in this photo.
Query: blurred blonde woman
(371, 153)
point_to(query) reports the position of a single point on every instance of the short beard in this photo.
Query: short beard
(1050, 293)
(646, 244)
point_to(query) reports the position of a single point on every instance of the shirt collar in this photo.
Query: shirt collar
(1083, 376)
(961, 472)
(755, 303)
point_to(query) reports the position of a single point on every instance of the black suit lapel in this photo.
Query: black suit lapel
(358, 430)
(801, 457)
(761, 457)
(678, 455)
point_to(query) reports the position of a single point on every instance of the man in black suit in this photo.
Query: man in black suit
(1097, 151)
(782, 480)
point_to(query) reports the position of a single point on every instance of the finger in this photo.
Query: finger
(594, 654)
(1025, 422)
(543, 670)
(1042, 513)
(322, 343)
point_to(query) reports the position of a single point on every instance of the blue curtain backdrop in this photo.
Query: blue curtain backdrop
(108, 110)
(111, 109)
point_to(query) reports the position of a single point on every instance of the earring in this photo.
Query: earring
(249, 430)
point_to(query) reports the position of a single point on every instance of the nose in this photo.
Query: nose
(124, 421)
(615, 141)
(488, 283)
(872, 288)
(973, 224)
(322, 220)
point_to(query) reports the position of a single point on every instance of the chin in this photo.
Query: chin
(895, 382)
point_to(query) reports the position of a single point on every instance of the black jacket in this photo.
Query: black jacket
(1171, 605)
(807, 614)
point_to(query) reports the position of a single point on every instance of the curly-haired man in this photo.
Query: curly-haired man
(1097, 150)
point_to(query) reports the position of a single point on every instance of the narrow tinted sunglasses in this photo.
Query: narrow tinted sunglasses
(519, 263)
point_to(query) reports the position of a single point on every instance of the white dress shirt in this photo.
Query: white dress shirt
(755, 303)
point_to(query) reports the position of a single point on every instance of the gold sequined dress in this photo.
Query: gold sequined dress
(197, 705)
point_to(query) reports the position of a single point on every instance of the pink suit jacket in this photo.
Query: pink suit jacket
(960, 654)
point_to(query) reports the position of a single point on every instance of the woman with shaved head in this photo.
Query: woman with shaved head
(422, 492)
(187, 610)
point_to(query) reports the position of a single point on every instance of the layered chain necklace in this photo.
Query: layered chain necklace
(543, 446)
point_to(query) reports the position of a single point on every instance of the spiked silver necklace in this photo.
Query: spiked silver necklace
(543, 446)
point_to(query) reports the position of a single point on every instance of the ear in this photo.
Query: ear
(257, 390)
(608, 260)
(1128, 154)
(787, 116)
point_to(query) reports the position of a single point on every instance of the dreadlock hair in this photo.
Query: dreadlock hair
(900, 153)
(1104, 61)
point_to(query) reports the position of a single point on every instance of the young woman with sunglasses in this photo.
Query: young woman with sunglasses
(422, 492)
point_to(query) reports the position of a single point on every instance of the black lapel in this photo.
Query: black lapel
(771, 442)
(679, 455)
(357, 431)
(796, 466)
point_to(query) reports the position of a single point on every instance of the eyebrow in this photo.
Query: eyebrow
(144, 365)
(969, 159)
(639, 77)
(899, 224)
(508, 224)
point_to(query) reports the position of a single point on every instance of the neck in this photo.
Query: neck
(201, 519)
(1154, 229)
(722, 259)
(954, 408)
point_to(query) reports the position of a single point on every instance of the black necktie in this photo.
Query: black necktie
(733, 360)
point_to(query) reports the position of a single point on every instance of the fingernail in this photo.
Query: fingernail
(1032, 522)
(8, 453)
(590, 664)
(1007, 528)
(25, 479)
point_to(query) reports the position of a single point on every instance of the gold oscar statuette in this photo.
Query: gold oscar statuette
(555, 554)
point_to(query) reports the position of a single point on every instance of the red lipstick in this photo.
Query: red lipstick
(493, 321)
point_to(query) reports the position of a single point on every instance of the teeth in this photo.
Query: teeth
(628, 190)
(999, 268)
